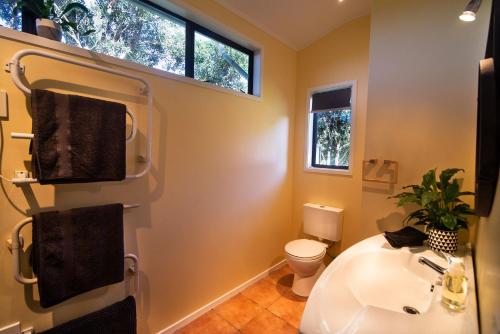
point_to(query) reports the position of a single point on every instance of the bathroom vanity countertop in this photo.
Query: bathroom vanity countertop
(366, 287)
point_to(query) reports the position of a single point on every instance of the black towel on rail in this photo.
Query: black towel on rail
(77, 139)
(119, 318)
(77, 250)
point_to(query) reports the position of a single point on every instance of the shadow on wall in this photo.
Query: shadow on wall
(392, 222)
(68, 196)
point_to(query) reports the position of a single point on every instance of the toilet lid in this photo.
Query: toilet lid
(305, 248)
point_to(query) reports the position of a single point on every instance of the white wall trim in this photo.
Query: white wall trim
(308, 129)
(204, 309)
(34, 40)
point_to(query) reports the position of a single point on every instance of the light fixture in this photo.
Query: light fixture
(469, 13)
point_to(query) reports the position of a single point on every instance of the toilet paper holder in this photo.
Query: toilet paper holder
(390, 166)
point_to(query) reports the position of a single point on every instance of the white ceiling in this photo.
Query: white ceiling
(298, 23)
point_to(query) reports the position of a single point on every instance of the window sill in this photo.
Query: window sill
(344, 172)
(34, 40)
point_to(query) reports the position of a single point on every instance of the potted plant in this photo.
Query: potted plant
(51, 19)
(441, 209)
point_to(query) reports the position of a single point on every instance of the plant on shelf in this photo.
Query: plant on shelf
(51, 19)
(441, 209)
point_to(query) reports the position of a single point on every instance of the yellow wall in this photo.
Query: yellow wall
(422, 96)
(340, 56)
(216, 207)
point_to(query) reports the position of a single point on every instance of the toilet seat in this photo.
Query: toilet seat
(303, 249)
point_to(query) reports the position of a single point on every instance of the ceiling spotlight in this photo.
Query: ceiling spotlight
(467, 16)
(469, 13)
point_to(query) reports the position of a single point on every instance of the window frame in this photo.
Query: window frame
(28, 26)
(310, 130)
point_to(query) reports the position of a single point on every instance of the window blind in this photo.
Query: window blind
(331, 100)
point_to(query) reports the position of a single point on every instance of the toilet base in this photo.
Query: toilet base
(302, 286)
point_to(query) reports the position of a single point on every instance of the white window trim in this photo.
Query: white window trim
(308, 129)
(23, 37)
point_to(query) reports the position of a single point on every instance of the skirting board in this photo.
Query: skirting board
(204, 309)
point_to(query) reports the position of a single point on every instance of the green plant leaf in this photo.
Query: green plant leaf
(449, 221)
(413, 186)
(411, 198)
(447, 174)
(463, 209)
(88, 32)
(428, 197)
(421, 222)
(465, 193)
(65, 24)
(404, 193)
(451, 191)
(429, 179)
(420, 216)
(74, 6)
(462, 223)
(48, 9)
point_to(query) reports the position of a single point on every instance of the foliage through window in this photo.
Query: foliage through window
(145, 33)
(220, 64)
(7, 19)
(330, 120)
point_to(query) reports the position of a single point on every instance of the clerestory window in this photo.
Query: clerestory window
(143, 32)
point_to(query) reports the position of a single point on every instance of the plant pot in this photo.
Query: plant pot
(445, 241)
(48, 29)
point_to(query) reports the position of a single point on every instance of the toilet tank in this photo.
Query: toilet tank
(323, 221)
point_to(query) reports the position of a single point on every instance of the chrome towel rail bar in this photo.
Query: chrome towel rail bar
(16, 245)
(16, 69)
(129, 139)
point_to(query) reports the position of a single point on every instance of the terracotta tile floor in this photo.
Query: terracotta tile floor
(268, 306)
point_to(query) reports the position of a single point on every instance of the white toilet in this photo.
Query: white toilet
(305, 256)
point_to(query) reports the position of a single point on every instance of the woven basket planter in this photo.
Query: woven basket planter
(445, 241)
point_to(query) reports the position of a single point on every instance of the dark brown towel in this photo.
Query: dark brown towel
(119, 318)
(77, 139)
(77, 250)
(406, 237)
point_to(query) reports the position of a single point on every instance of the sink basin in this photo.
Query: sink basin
(373, 288)
(395, 271)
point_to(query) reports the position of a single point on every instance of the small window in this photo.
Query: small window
(330, 129)
(220, 64)
(133, 31)
(143, 32)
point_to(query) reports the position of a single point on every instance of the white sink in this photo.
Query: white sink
(365, 290)
(394, 271)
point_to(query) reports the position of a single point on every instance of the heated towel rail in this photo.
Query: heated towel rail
(16, 246)
(16, 69)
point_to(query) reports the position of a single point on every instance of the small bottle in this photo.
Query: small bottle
(454, 285)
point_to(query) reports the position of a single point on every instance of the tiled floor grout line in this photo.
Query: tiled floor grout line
(264, 308)
(281, 301)
(229, 323)
(237, 329)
